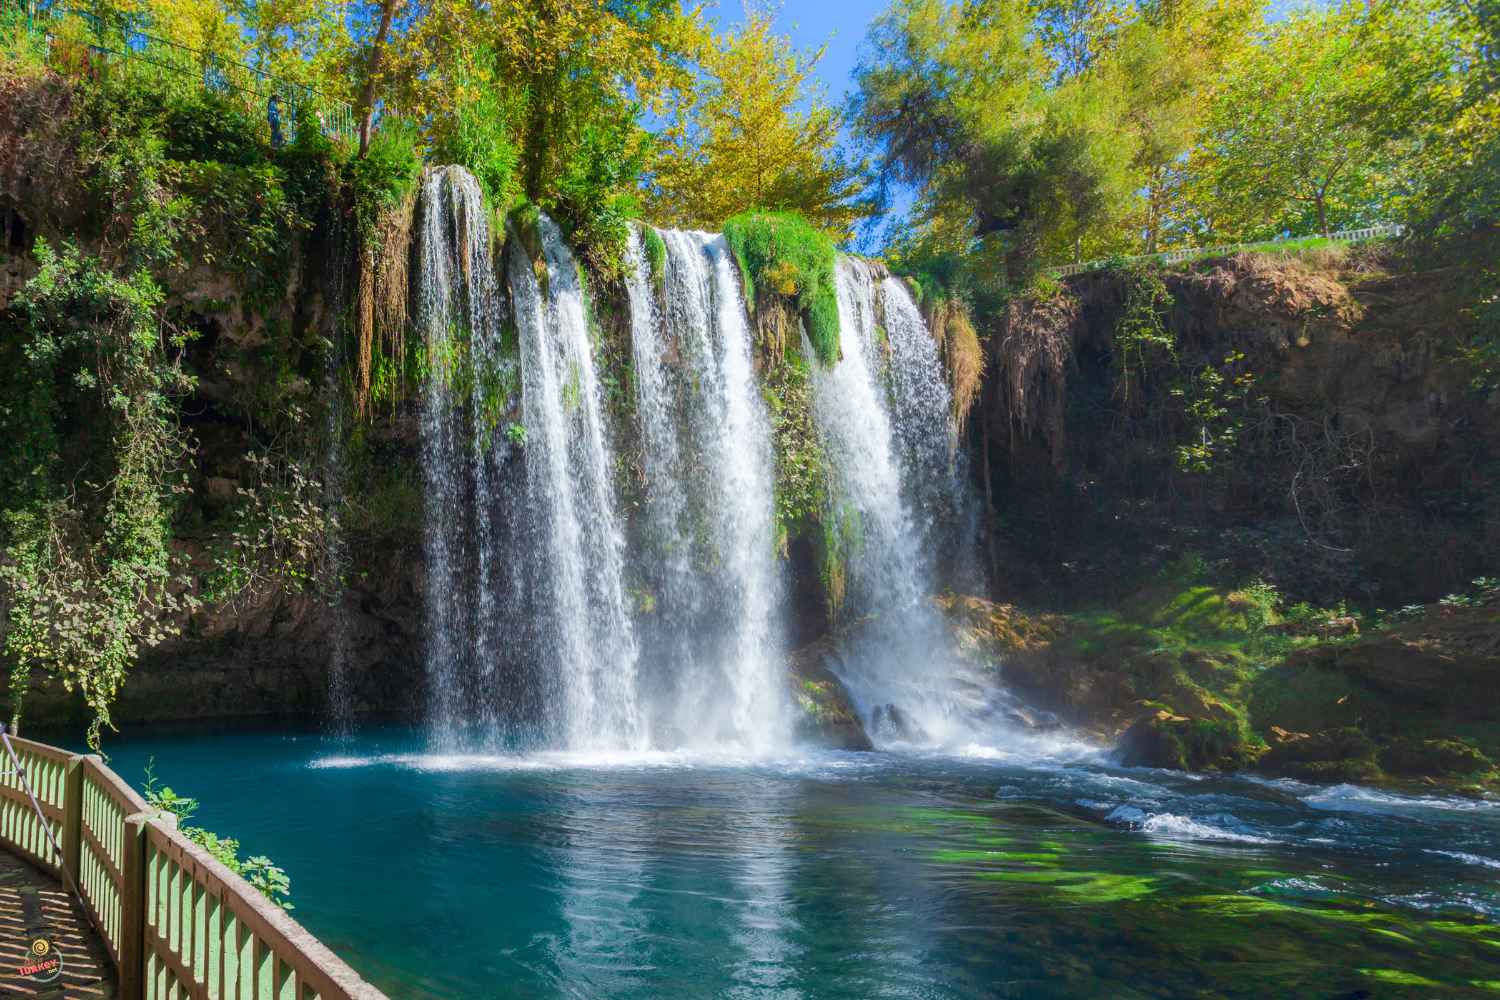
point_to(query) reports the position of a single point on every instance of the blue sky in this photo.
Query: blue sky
(839, 24)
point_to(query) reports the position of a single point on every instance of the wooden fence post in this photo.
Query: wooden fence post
(72, 825)
(133, 907)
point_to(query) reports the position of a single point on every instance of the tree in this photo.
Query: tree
(366, 109)
(967, 102)
(1312, 126)
(755, 132)
(546, 95)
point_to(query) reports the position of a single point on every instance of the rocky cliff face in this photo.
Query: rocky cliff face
(1310, 419)
(1361, 444)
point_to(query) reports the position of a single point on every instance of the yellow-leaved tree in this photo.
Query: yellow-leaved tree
(756, 132)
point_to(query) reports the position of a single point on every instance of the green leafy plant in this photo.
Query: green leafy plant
(90, 578)
(1213, 401)
(781, 255)
(1141, 338)
(269, 879)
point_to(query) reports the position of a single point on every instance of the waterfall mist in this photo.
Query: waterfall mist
(709, 536)
(882, 413)
(585, 641)
(458, 313)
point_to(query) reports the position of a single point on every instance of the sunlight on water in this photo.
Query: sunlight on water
(822, 875)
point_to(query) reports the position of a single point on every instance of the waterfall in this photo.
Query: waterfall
(340, 711)
(710, 532)
(882, 414)
(616, 545)
(458, 313)
(585, 638)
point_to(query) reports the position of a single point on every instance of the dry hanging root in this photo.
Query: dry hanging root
(1033, 354)
(963, 355)
(381, 309)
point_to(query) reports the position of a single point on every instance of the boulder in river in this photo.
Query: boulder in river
(826, 714)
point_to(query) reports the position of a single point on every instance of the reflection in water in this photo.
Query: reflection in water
(601, 871)
(839, 876)
(766, 921)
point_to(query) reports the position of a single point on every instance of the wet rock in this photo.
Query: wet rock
(1025, 718)
(1177, 742)
(1344, 754)
(826, 715)
(1434, 758)
(889, 722)
(1446, 661)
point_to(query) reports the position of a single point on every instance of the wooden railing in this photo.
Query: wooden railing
(176, 922)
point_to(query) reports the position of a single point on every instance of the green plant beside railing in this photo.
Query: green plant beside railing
(174, 919)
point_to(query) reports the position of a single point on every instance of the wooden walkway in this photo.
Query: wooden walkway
(32, 906)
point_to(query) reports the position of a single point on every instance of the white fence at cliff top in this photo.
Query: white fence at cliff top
(1383, 231)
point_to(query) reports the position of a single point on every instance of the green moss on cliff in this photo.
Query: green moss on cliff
(781, 255)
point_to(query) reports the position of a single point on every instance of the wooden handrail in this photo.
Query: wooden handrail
(168, 911)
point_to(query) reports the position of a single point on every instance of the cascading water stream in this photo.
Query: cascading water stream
(671, 633)
(882, 413)
(707, 458)
(458, 314)
(586, 640)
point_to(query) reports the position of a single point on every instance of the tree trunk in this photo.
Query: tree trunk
(367, 95)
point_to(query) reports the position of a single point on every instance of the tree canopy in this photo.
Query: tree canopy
(1084, 128)
(754, 131)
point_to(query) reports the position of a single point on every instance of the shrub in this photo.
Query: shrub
(781, 254)
(269, 879)
(480, 135)
(656, 255)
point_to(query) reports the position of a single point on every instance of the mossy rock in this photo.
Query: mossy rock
(1448, 661)
(1179, 743)
(524, 227)
(988, 634)
(782, 255)
(1344, 754)
(1435, 758)
(826, 714)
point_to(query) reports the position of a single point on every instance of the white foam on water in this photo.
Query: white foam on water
(1465, 857)
(1357, 798)
(811, 764)
(1034, 751)
(1170, 826)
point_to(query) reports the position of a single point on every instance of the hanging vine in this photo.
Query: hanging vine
(88, 575)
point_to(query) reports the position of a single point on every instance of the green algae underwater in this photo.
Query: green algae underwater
(1017, 872)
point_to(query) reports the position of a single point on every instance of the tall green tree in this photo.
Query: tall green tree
(755, 131)
(1313, 128)
(958, 100)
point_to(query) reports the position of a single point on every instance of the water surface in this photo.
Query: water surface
(1030, 872)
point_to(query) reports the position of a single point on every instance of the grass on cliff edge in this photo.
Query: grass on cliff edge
(780, 253)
